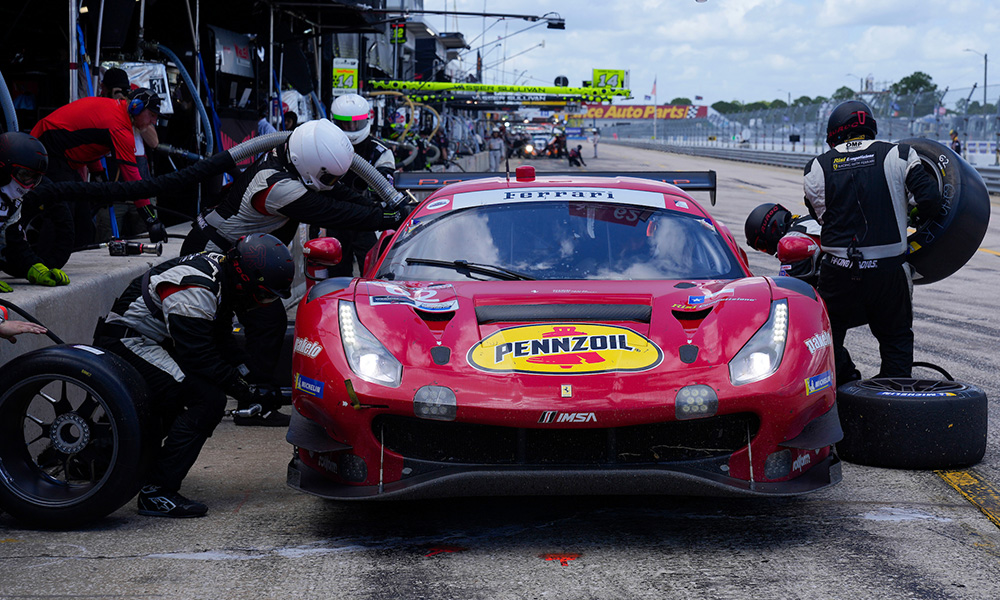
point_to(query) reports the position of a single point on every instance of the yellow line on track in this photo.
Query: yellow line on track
(990, 251)
(976, 490)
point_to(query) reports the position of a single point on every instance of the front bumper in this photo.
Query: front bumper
(493, 480)
(429, 478)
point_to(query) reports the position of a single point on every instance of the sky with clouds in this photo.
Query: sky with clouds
(744, 50)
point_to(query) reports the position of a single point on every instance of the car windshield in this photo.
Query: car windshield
(561, 240)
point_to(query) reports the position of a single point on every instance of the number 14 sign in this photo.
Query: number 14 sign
(345, 76)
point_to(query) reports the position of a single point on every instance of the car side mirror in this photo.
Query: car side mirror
(796, 247)
(320, 254)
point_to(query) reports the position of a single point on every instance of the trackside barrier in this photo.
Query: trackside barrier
(990, 175)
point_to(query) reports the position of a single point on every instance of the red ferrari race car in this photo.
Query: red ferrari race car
(556, 335)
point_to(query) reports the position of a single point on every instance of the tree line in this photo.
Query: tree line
(918, 85)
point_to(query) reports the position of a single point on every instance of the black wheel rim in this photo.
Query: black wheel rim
(904, 384)
(58, 442)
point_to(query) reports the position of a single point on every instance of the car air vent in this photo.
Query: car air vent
(684, 285)
(689, 353)
(427, 315)
(564, 312)
(441, 355)
(691, 315)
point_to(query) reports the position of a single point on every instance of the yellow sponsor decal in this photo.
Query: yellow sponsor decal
(565, 349)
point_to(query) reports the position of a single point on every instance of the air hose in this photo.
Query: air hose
(135, 190)
(210, 167)
(210, 138)
(9, 113)
(393, 198)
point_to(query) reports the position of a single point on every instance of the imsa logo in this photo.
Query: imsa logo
(554, 416)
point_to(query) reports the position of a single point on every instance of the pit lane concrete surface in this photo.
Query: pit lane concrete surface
(881, 533)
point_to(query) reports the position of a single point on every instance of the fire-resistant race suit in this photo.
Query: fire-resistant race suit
(268, 197)
(355, 243)
(174, 325)
(857, 191)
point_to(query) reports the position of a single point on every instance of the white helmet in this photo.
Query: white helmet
(352, 114)
(320, 153)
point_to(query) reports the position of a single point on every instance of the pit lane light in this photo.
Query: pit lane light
(760, 357)
(367, 357)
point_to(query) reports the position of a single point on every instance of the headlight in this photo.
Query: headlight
(761, 356)
(367, 356)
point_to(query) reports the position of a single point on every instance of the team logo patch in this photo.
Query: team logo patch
(818, 341)
(307, 347)
(565, 348)
(309, 386)
(818, 383)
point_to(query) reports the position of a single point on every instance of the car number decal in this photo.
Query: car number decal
(565, 349)
(439, 297)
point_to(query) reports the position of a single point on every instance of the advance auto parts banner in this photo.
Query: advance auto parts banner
(644, 111)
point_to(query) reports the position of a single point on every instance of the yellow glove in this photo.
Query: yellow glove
(39, 274)
(5, 287)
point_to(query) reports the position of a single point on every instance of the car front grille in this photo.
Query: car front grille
(470, 443)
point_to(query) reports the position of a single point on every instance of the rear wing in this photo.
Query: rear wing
(689, 181)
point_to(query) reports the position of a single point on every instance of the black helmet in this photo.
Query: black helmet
(262, 266)
(141, 99)
(766, 225)
(850, 119)
(23, 159)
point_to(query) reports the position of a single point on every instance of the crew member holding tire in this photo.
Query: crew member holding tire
(174, 325)
(857, 191)
(295, 183)
(351, 113)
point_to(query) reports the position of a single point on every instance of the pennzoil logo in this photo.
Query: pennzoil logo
(565, 348)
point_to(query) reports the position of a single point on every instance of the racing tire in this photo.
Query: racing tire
(902, 423)
(75, 435)
(943, 245)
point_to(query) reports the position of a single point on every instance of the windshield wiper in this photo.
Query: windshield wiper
(466, 266)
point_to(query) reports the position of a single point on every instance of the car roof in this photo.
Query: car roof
(620, 189)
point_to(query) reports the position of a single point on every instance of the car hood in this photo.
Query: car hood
(564, 327)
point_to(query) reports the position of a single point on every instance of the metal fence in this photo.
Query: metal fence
(795, 160)
(931, 114)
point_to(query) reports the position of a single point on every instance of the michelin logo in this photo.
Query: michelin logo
(309, 386)
(818, 383)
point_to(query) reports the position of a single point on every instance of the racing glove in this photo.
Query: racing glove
(5, 287)
(393, 218)
(157, 232)
(39, 274)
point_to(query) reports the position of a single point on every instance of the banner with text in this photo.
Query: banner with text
(644, 111)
